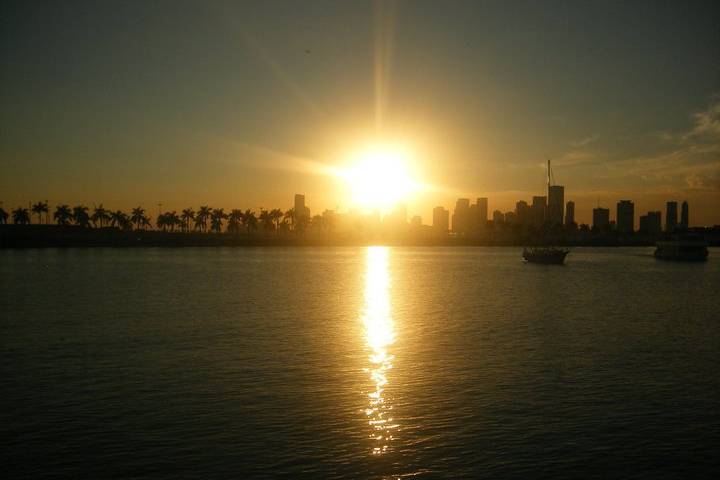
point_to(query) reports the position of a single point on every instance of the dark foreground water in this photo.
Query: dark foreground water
(357, 363)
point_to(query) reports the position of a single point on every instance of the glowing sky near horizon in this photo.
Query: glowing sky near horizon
(241, 105)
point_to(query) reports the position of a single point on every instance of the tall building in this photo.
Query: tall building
(522, 213)
(461, 216)
(570, 213)
(441, 220)
(498, 217)
(625, 216)
(601, 218)
(684, 216)
(300, 209)
(651, 223)
(671, 216)
(539, 206)
(556, 202)
(481, 212)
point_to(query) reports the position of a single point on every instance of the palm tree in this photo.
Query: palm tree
(173, 220)
(235, 220)
(100, 216)
(216, 219)
(202, 217)
(120, 220)
(21, 216)
(80, 215)
(276, 214)
(250, 220)
(187, 216)
(63, 215)
(290, 215)
(39, 208)
(3, 216)
(138, 218)
(266, 220)
(162, 222)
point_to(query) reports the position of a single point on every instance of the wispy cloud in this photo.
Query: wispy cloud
(684, 160)
(584, 141)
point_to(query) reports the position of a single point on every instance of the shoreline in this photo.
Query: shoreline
(53, 236)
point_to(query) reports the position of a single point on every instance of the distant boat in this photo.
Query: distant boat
(683, 247)
(546, 255)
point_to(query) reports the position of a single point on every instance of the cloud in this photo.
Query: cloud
(584, 141)
(707, 122)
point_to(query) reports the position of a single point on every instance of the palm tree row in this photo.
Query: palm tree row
(206, 219)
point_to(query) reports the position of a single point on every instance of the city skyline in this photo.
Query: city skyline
(260, 105)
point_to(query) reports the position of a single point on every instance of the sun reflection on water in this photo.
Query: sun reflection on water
(379, 334)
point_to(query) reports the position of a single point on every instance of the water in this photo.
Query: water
(357, 363)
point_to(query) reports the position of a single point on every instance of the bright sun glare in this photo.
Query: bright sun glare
(379, 178)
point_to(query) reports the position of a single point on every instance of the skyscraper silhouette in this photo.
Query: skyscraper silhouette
(570, 213)
(625, 216)
(671, 216)
(684, 216)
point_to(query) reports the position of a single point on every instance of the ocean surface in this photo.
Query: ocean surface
(357, 363)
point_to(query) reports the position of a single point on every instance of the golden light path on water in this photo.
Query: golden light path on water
(379, 335)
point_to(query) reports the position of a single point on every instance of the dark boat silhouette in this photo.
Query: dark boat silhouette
(546, 255)
(682, 247)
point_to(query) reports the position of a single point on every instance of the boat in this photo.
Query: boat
(546, 255)
(683, 247)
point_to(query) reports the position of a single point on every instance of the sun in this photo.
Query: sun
(379, 178)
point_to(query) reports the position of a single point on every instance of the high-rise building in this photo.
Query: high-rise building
(416, 221)
(461, 216)
(556, 202)
(651, 223)
(522, 213)
(671, 216)
(601, 218)
(684, 216)
(441, 220)
(498, 217)
(481, 212)
(539, 206)
(570, 213)
(510, 218)
(300, 209)
(625, 217)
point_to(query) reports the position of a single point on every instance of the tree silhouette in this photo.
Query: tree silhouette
(3, 216)
(120, 220)
(250, 220)
(21, 216)
(100, 216)
(80, 215)
(168, 220)
(63, 215)
(216, 219)
(187, 216)
(138, 218)
(235, 219)
(39, 208)
(276, 215)
(202, 217)
(290, 216)
(266, 221)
